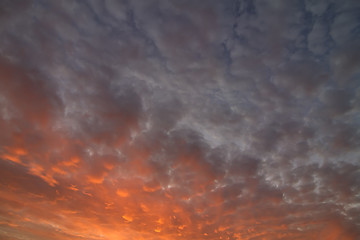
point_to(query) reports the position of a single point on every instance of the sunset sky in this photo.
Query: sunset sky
(179, 119)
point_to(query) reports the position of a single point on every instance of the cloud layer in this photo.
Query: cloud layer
(179, 120)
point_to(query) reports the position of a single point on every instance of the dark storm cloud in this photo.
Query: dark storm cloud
(179, 119)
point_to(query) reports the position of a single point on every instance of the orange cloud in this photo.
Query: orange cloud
(91, 161)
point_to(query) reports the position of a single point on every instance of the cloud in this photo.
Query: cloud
(179, 120)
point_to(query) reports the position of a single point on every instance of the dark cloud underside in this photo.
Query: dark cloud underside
(179, 120)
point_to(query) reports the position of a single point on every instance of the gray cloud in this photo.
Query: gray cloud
(183, 119)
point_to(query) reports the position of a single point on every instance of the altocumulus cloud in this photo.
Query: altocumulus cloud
(180, 119)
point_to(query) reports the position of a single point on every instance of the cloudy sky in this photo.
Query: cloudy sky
(181, 119)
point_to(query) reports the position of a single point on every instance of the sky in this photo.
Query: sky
(179, 119)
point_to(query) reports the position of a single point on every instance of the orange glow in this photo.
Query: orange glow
(99, 204)
(12, 158)
(72, 162)
(110, 133)
(122, 193)
(128, 218)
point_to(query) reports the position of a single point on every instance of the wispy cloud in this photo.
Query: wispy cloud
(179, 120)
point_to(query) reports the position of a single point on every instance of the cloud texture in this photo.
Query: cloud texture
(179, 119)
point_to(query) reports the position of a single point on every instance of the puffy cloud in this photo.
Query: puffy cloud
(179, 120)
